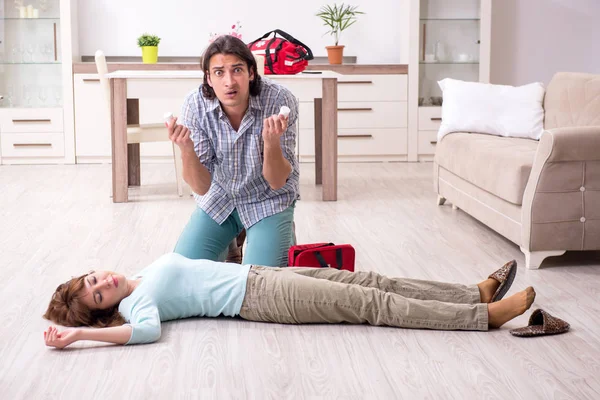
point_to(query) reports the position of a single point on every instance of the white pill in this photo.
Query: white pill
(168, 116)
(285, 111)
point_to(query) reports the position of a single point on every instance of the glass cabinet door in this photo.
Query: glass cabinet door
(30, 54)
(449, 45)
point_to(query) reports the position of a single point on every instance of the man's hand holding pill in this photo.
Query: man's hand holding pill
(275, 126)
(178, 134)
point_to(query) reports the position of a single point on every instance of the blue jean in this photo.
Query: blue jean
(267, 241)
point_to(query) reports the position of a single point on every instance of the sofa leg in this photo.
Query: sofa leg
(441, 200)
(454, 207)
(533, 259)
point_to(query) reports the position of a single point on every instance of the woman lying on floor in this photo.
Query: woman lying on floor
(128, 311)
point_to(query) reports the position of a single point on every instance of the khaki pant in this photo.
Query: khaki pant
(326, 295)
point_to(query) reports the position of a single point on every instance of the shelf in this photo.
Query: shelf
(30, 19)
(21, 106)
(449, 63)
(32, 63)
(450, 19)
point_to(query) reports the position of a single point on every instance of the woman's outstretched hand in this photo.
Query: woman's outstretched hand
(60, 340)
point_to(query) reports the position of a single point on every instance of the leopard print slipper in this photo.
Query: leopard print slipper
(541, 323)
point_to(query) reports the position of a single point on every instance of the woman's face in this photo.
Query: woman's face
(103, 289)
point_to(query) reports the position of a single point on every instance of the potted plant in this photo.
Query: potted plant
(149, 45)
(337, 19)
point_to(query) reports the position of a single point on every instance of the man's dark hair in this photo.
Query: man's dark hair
(228, 44)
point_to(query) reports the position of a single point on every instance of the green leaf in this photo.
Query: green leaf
(338, 18)
(148, 40)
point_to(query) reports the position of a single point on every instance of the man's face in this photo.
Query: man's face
(230, 79)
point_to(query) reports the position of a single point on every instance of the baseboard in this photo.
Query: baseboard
(143, 160)
(35, 161)
(365, 159)
(302, 159)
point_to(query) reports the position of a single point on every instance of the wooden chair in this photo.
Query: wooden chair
(137, 134)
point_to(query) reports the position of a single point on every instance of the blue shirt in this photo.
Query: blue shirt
(235, 159)
(175, 287)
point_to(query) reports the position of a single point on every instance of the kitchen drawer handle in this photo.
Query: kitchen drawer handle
(354, 82)
(354, 136)
(91, 80)
(32, 144)
(356, 109)
(436, 118)
(29, 121)
(433, 142)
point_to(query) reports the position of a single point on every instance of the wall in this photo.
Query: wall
(379, 36)
(533, 39)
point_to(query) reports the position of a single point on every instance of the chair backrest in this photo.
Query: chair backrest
(572, 99)
(260, 63)
(102, 71)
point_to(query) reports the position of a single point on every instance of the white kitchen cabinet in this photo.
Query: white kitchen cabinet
(92, 122)
(448, 39)
(429, 121)
(372, 118)
(36, 58)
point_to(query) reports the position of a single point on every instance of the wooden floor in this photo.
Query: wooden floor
(58, 221)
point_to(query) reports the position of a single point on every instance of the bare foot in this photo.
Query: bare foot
(506, 309)
(487, 289)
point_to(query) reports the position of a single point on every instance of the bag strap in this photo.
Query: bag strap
(268, 55)
(338, 259)
(297, 251)
(321, 260)
(291, 39)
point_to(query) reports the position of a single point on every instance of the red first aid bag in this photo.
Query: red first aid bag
(284, 55)
(324, 255)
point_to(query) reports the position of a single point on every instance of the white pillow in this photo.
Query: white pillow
(493, 109)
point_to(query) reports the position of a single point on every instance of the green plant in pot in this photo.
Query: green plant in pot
(337, 19)
(149, 45)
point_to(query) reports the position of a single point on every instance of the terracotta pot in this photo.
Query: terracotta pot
(335, 54)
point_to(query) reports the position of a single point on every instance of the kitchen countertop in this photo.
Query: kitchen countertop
(350, 67)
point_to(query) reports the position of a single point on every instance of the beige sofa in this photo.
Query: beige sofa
(544, 196)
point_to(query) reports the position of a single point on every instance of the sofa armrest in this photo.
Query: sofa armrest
(580, 143)
(561, 203)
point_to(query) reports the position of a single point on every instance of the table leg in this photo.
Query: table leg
(118, 94)
(133, 149)
(319, 141)
(133, 164)
(330, 133)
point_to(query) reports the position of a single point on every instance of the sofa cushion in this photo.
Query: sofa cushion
(572, 99)
(501, 110)
(498, 165)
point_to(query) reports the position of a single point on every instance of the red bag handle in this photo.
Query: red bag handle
(296, 252)
(338, 259)
(291, 39)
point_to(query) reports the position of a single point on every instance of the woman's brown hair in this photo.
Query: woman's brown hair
(67, 309)
(228, 44)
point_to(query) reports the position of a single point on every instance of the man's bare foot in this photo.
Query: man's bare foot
(504, 310)
(487, 289)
